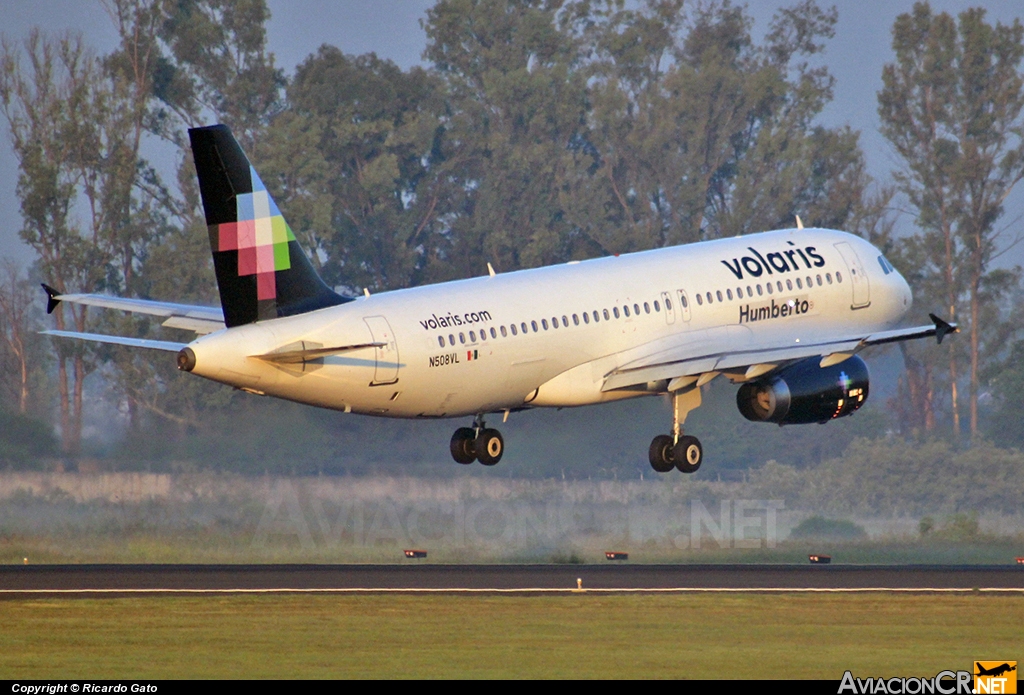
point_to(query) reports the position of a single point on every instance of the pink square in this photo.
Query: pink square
(247, 234)
(265, 259)
(227, 236)
(266, 286)
(246, 261)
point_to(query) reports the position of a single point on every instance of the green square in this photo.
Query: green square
(282, 259)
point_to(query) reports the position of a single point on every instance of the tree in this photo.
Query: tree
(701, 132)
(951, 107)
(46, 106)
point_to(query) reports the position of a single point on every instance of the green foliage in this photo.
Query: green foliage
(833, 529)
(894, 477)
(24, 441)
(1006, 424)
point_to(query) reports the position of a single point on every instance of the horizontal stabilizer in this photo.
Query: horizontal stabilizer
(119, 340)
(300, 356)
(201, 319)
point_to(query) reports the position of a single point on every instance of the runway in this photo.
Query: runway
(20, 581)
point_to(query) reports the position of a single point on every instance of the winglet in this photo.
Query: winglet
(942, 329)
(52, 298)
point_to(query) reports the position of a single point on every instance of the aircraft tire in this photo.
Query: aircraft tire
(462, 448)
(688, 454)
(489, 447)
(661, 454)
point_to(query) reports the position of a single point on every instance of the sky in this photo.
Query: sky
(391, 29)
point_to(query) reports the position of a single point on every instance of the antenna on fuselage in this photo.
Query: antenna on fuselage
(799, 222)
(490, 270)
(366, 291)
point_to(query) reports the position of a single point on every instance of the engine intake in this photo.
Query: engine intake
(803, 392)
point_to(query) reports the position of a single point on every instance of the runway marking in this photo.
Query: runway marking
(534, 590)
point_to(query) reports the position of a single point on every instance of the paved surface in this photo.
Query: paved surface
(16, 579)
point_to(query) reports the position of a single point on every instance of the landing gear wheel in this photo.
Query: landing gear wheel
(661, 454)
(688, 454)
(489, 447)
(463, 450)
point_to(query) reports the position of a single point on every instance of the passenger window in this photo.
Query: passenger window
(472, 336)
(606, 317)
(750, 292)
(718, 293)
(668, 304)
(451, 340)
(513, 327)
(636, 309)
(657, 306)
(543, 322)
(709, 298)
(504, 333)
(728, 293)
(565, 321)
(810, 282)
(768, 286)
(493, 333)
(789, 284)
(799, 284)
(525, 329)
(682, 298)
(828, 277)
(576, 319)
(759, 291)
(462, 338)
(586, 318)
(440, 340)
(534, 325)
(615, 311)
(625, 310)
(819, 281)
(779, 285)
(700, 301)
(596, 316)
(647, 307)
(839, 277)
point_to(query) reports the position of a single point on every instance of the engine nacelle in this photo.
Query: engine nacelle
(803, 392)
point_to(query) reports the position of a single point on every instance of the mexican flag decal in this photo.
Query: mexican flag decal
(472, 355)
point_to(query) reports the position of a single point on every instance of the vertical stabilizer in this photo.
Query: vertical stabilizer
(261, 271)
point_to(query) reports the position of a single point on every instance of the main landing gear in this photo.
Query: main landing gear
(677, 450)
(477, 443)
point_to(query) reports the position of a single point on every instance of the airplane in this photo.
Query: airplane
(782, 313)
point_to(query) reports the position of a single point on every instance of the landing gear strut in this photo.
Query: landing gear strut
(477, 443)
(677, 450)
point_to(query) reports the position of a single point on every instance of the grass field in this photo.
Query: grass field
(508, 636)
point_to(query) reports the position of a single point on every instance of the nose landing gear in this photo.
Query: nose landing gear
(477, 443)
(677, 450)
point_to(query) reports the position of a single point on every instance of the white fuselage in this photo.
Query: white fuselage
(451, 350)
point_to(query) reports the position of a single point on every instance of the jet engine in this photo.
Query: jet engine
(803, 392)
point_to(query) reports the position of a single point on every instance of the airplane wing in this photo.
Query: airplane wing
(729, 348)
(201, 319)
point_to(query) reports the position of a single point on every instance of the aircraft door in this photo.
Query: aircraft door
(858, 278)
(670, 312)
(684, 304)
(386, 371)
